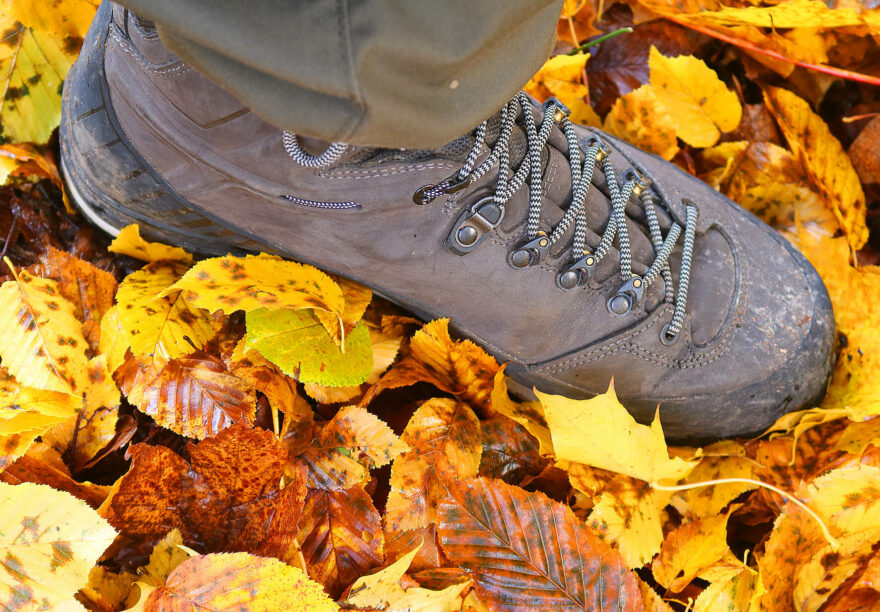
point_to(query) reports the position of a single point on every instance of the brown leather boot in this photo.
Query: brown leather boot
(563, 251)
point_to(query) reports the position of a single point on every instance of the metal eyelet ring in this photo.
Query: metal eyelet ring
(604, 148)
(560, 111)
(642, 181)
(665, 338)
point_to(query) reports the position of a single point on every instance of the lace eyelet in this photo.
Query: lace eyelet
(642, 181)
(604, 149)
(665, 338)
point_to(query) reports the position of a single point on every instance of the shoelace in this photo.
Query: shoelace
(538, 243)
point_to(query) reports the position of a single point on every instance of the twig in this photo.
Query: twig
(601, 39)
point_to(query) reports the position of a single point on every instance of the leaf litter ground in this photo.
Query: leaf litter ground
(251, 433)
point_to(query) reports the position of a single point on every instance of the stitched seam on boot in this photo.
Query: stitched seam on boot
(171, 70)
(338, 175)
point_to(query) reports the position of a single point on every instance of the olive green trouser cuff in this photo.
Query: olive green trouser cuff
(410, 73)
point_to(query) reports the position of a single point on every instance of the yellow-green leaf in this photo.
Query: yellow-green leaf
(50, 540)
(296, 342)
(697, 101)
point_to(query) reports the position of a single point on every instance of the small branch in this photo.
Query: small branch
(601, 39)
(832, 541)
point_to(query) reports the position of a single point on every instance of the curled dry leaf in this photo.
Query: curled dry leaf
(236, 581)
(129, 242)
(444, 446)
(227, 498)
(488, 527)
(341, 537)
(342, 453)
(50, 541)
(197, 397)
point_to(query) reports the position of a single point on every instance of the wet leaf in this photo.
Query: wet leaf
(129, 242)
(488, 526)
(341, 537)
(236, 581)
(50, 541)
(699, 104)
(444, 446)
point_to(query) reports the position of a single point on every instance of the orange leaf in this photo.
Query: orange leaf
(823, 159)
(690, 549)
(196, 396)
(527, 551)
(341, 537)
(238, 582)
(640, 118)
(444, 440)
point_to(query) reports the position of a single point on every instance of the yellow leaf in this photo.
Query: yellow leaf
(83, 435)
(258, 281)
(857, 436)
(789, 14)
(16, 400)
(828, 569)
(41, 342)
(50, 541)
(690, 549)
(113, 342)
(66, 18)
(528, 414)
(373, 590)
(721, 460)
(640, 119)
(15, 445)
(824, 161)
(129, 242)
(356, 298)
(560, 76)
(627, 512)
(239, 581)
(739, 590)
(165, 558)
(601, 433)
(697, 102)
(157, 322)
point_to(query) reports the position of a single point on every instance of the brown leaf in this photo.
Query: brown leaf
(341, 537)
(197, 397)
(345, 449)
(226, 499)
(527, 551)
(444, 440)
(510, 452)
(863, 152)
(399, 543)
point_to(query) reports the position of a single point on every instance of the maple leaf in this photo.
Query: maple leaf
(640, 118)
(41, 342)
(50, 541)
(296, 341)
(824, 161)
(341, 537)
(600, 432)
(697, 101)
(129, 242)
(42, 464)
(238, 581)
(225, 499)
(197, 397)
(342, 453)
(258, 281)
(88, 288)
(157, 324)
(443, 436)
(488, 526)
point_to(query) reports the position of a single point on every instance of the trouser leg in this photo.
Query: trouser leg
(406, 73)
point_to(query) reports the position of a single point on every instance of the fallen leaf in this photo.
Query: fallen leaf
(50, 541)
(640, 119)
(601, 433)
(740, 589)
(697, 101)
(823, 159)
(863, 150)
(341, 537)
(129, 242)
(443, 437)
(510, 452)
(107, 590)
(489, 527)
(356, 298)
(347, 447)
(238, 581)
(197, 397)
(561, 77)
(690, 549)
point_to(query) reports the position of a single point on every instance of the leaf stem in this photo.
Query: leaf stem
(601, 39)
(832, 541)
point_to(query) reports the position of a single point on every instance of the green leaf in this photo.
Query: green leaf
(296, 341)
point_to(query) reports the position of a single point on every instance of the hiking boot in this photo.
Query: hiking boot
(570, 255)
